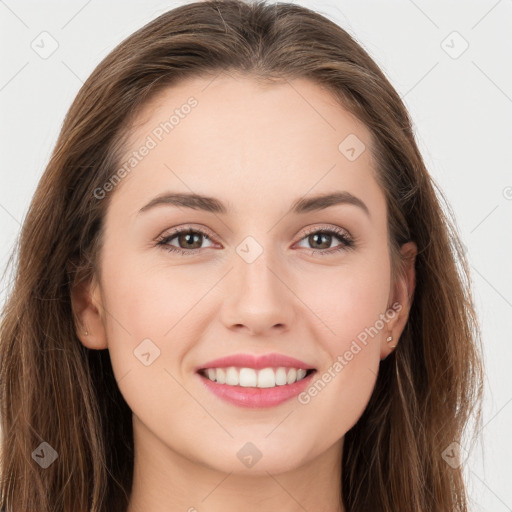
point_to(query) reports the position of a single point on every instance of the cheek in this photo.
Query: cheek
(352, 308)
(341, 390)
(348, 300)
(150, 300)
(150, 320)
(146, 310)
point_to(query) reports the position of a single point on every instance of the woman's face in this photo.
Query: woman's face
(256, 275)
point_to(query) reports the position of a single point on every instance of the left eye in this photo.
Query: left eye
(315, 237)
(190, 240)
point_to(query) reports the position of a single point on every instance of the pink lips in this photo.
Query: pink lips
(257, 362)
(253, 396)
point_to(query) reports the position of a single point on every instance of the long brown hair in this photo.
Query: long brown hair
(54, 390)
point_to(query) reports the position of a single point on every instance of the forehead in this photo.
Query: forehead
(227, 103)
(225, 134)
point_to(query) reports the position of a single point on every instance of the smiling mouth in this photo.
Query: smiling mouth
(269, 377)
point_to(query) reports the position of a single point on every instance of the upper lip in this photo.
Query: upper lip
(256, 361)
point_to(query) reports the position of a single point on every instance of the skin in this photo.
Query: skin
(257, 148)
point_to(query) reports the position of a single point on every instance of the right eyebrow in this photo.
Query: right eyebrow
(194, 201)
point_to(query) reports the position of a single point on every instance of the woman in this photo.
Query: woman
(176, 340)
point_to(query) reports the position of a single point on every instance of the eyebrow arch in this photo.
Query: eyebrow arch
(186, 200)
(322, 201)
(300, 206)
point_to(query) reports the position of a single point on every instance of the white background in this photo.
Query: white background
(461, 108)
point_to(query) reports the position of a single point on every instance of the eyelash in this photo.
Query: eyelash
(340, 234)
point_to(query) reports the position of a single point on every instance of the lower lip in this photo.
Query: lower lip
(257, 397)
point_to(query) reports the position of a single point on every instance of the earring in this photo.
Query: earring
(86, 333)
(388, 339)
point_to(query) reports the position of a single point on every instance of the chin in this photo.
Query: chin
(258, 457)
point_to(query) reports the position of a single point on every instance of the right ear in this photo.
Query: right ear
(87, 308)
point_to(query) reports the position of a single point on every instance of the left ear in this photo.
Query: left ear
(401, 297)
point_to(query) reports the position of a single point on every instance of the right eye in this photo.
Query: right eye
(186, 237)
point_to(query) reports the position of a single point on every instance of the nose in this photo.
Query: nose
(259, 299)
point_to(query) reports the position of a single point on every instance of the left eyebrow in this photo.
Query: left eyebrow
(213, 205)
(322, 201)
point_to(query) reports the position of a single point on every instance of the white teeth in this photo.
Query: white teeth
(232, 376)
(281, 376)
(220, 375)
(266, 378)
(249, 377)
(292, 375)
